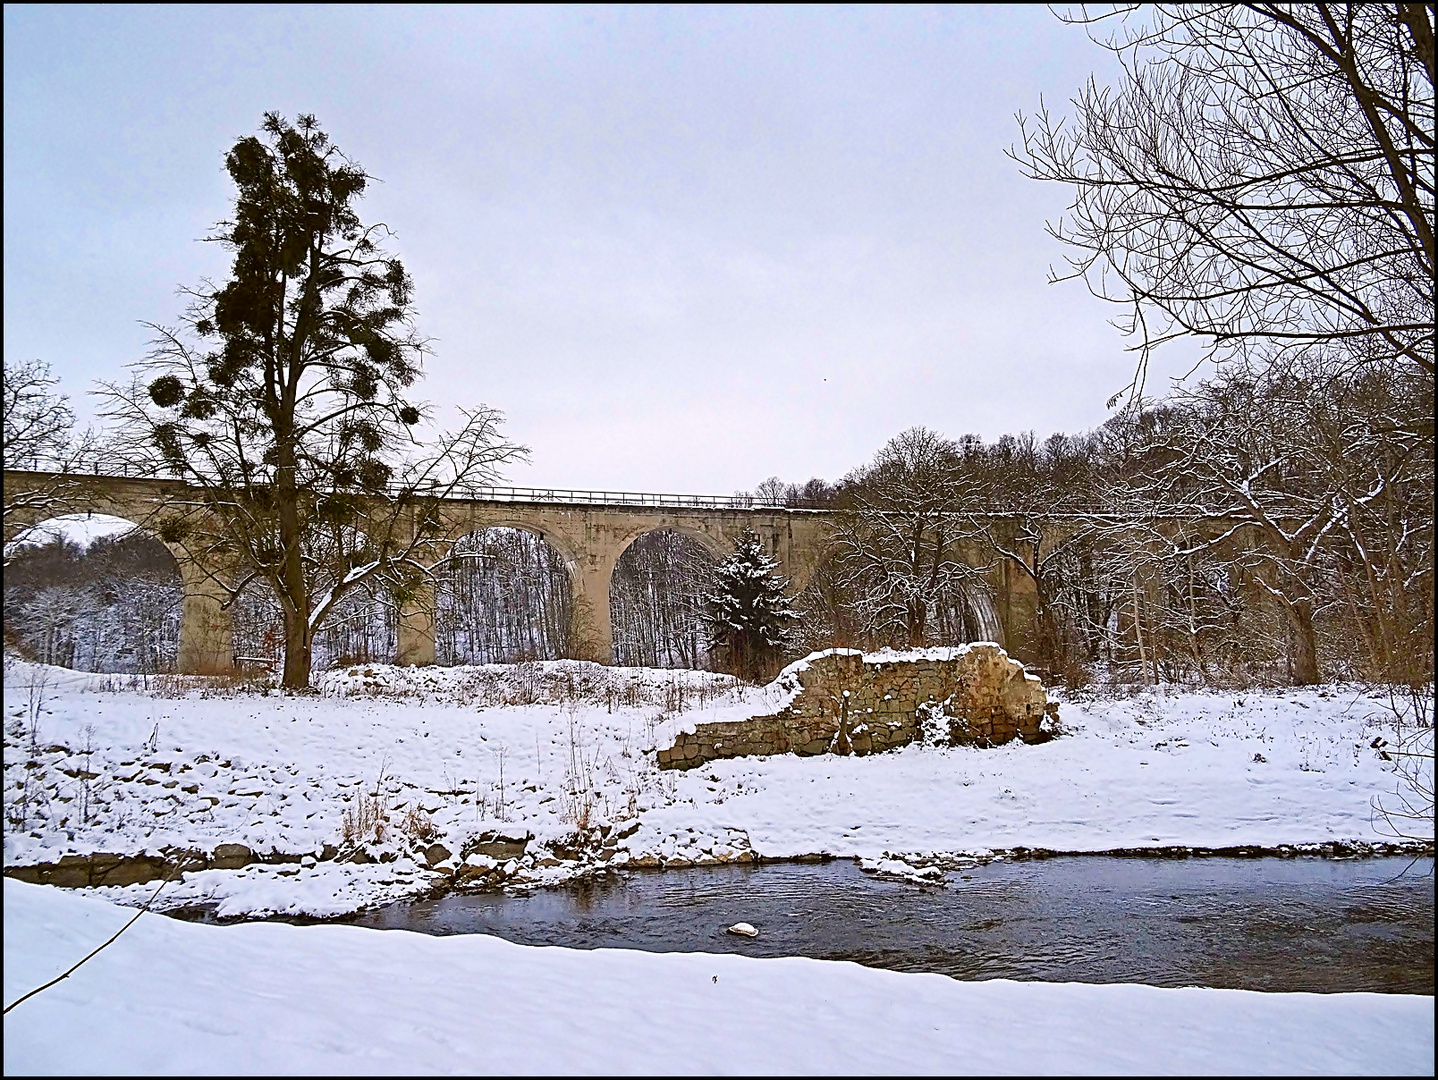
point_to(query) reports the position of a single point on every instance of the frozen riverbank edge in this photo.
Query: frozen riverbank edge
(534, 775)
(177, 998)
(926, 869)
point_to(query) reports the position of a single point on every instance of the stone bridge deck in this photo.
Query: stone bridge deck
(588, 529)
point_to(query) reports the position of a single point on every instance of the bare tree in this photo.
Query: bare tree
(1317, 491)
(1262, 177)
(111, 606)
(1371, 439)
(657, 601)
(897, 541)
(1228, 452)
(39, 436)
(814, 494)
(49, 616)
(504, 596)
(1035, 497)
(774, 492)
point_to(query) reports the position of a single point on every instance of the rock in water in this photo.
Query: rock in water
(743, 929)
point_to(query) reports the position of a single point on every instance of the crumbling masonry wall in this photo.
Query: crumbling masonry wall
(848, 702)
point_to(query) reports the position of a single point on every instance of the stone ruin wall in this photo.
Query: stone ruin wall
(855, 703)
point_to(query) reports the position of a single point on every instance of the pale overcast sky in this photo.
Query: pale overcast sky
(681, 249)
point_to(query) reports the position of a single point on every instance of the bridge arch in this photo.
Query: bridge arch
(504, 592)
(656, 598)
(461, 528)
(95, 592)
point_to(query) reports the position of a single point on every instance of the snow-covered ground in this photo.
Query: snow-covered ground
(560, 752)
(178, 998)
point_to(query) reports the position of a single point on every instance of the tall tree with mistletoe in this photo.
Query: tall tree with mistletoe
(284, 398)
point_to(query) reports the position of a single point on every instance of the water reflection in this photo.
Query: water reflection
(1263, 924)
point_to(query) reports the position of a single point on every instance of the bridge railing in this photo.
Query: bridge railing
(739, 501)
(119, 470)
(591, 497)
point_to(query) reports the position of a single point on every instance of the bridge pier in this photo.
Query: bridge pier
(592, 633)
(206, 644)
(414, 637)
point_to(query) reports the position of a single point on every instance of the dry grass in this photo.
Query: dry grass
(417, 827)
(365, 821)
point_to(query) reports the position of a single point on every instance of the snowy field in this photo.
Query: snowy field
(568, 763)
(559, 757)
(179, 998)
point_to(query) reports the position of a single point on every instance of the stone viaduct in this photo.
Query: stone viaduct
(588, 529)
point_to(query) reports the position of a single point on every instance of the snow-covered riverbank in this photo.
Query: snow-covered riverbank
(569, 774)
(177, 998)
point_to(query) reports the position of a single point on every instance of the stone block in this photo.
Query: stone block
(499, 846)
(231, 857)
(135, 870)
(989, 697)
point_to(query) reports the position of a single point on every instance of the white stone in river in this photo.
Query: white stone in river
(743, 929)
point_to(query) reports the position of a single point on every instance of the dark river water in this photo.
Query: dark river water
(1322, 925)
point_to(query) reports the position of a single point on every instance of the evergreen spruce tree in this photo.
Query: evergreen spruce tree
(748, 613)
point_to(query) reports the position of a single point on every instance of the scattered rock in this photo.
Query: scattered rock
(435, 854)
(500, 846)
(627, 830)
(231, 857)
(743, 929)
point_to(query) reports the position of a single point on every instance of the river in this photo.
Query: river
(1323, 925)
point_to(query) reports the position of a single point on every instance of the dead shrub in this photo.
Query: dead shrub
(417, 827)
(365, 820)
(1077, 672)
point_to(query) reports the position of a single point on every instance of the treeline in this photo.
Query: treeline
(1250, 529)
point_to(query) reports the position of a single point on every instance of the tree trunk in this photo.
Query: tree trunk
(1052, 646)
(916, 621)
(294, 600)
(1303, 650)
(297, 650)
(1138, 631)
